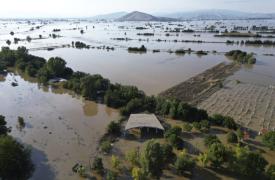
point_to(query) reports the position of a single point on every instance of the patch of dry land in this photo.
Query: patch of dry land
(249, 104)
(198, 88)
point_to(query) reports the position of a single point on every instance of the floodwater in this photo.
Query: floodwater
(62, 129)
(151, 72)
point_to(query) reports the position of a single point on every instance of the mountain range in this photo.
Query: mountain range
(217, 14)
(179, 16)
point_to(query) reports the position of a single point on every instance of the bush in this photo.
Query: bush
(133, 157)
(114, 128)
(248, 163)
(106, 146)
(229, 123)
(204, 125)
(269, 140)
(187, 127)
(211, 139)
(21, 122)
(138, 174)
(224, 121)
(167, 153)
(152, 159)
(111, 175)
(115, 162)
(136, 49)
(232, 137)
(3, 128)
(184, 163)
(15, 159)
(197, 126)
(98, 165)
(271, 172)
(217, 154)
(242, 57)
(173, 136)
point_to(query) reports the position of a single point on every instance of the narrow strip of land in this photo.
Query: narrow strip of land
(202, 86)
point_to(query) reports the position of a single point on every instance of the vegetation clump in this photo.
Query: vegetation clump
(241, 57)
(202, 53)
(81, 45)
(15, 159)
(180, 52)
(173, 136)
(98, 165)
(136, 49)
(145, 34)
(269, 139)
(184, 163)
(232, 137)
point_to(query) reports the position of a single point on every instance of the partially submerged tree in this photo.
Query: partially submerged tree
(15, 159)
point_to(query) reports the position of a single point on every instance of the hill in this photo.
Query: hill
(140, 16)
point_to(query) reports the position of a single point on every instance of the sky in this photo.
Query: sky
(87, 8)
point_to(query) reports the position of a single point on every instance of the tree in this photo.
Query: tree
(15, 159)
(271, 172)
(248, 163)
(173, 136)
(184, 163)
(240, 134)
(167, 153)
(114, 128)
(3, 129)
(229, 123)
(211, 139)
(197, 126)
(187, 127)
(151, 159)
(21, 122)
(232, 137)
(217, 154)
(269, 140)
(106, 146)
(56, 66)
(98, 165)
(205, 126)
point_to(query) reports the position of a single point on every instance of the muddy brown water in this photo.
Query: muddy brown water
(61, 129)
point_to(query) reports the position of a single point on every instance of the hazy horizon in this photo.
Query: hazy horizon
(88, 8)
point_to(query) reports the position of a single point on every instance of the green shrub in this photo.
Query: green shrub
(184, 163)
(114, 128)
(106, 146)
(98, 165)
(211, 139)
(269, 139)
(232, 137)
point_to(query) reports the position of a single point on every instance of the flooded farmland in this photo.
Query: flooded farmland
(64, 129)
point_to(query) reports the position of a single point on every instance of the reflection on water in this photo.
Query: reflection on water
(62, 130)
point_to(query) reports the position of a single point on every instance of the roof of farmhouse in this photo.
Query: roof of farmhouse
(143, 120)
